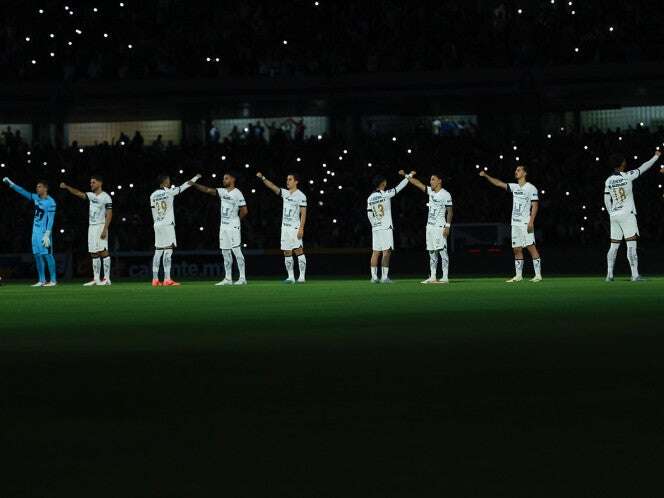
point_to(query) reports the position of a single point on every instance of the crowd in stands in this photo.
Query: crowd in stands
(253, 38)
(568, 168)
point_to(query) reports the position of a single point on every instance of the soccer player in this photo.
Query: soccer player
(619, 202)
(379, 211)
(233, 209)
(100, 216)
(42, 228)
(438, 225)
(525, 204)
(294, 217)
(161, 202)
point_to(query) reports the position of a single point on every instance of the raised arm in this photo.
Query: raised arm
(185, 185)
(18, 189)
(268, 183)
(649, 163)
(493, 181)
(73, 191)
(417, 183)
(203, 188)
(402, 184)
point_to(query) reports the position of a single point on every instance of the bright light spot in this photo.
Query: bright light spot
(45, 163)
(585, 218)
(517, 158)
(369, 165)
(548, 135)
(567, 194)
(124, 219)
(285, 42)
(394, 139)
(181, 171)
(500, 156)
(112, 193)
(486, 168)
(582, 229)
(34, 61)
(341, 158)
(611, 29)
(477, 166)
(244, 245)
(340, 187)
(122, 142)
(208, 59)
(597, 158)
(345, 151)
(79, 32)
(562, 128)
(130, 46)
(332, 173)
(515, 147)
(95, 9)
(29, 153)
(619, 138)
(2, 165)
(641, 123)
(105, 35)
(636, 157)
(69, 43)
(585, 147)
(324, 165)
(27, 38)
(62, 230)
(201, 228)
(409, 151)
(322, 192)
(121, 4)
(253, 190)
(320, 137)
(214, 175)
(216, 59)
(246, 165)
(298, 159)
(246, 130)
(81, 150)
(320, 203)
(223, 158)
(543, 192)
(41, 11)
(29, 161)
(519, 11)
(119, 187)
(52, 54)
(131, 185)
(324, 180)
(576, 49)
(583, 207)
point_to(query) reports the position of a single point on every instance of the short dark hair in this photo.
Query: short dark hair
(97, 177)
(232, 173)
(43, 182)
(524, 167)
(437, 174)
(615, 160)
(295, 176)
(377, 180)
(161, 178)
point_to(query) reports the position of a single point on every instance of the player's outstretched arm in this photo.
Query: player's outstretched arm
(493, 181)
(17, 188)
(268, 183)
(185, 185)
(203, 188)
(649, 163)
(414, 181)
(73, 191)
(402, 184)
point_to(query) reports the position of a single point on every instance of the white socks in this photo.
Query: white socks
(433, 264)
(288, 260)
(537, 265)
(239, 257)
(384, 272)
(96, 268)
(518, 266)
(107, 268)
(611, 259)
(228, 263)
(445, 263)
(633, 258)
(156, 263)
(302, 263)
(168, 255)
(374, 273)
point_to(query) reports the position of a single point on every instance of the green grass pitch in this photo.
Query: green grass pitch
(332, 388)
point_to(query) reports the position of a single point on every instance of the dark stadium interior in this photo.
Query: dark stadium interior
(335, 387)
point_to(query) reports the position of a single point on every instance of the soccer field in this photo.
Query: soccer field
(332, 388)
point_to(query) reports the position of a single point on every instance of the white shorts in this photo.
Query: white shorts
(164, 236)
(436, 241)
(521, 237)
(624, 227)
(289, 240)
(95, 242)
(382, 240)
(229, 238)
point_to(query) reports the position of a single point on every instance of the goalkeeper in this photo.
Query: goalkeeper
(42, 227)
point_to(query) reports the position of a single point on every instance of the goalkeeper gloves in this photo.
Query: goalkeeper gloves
(46, 240)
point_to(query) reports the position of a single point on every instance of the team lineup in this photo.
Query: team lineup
(618, 201)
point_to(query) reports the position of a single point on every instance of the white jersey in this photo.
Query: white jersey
(522, 200)
(230, 201)
(439, 203)
(618, 194)
(293, 201)
(379, 207)
(161, 202)
(99, 204)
